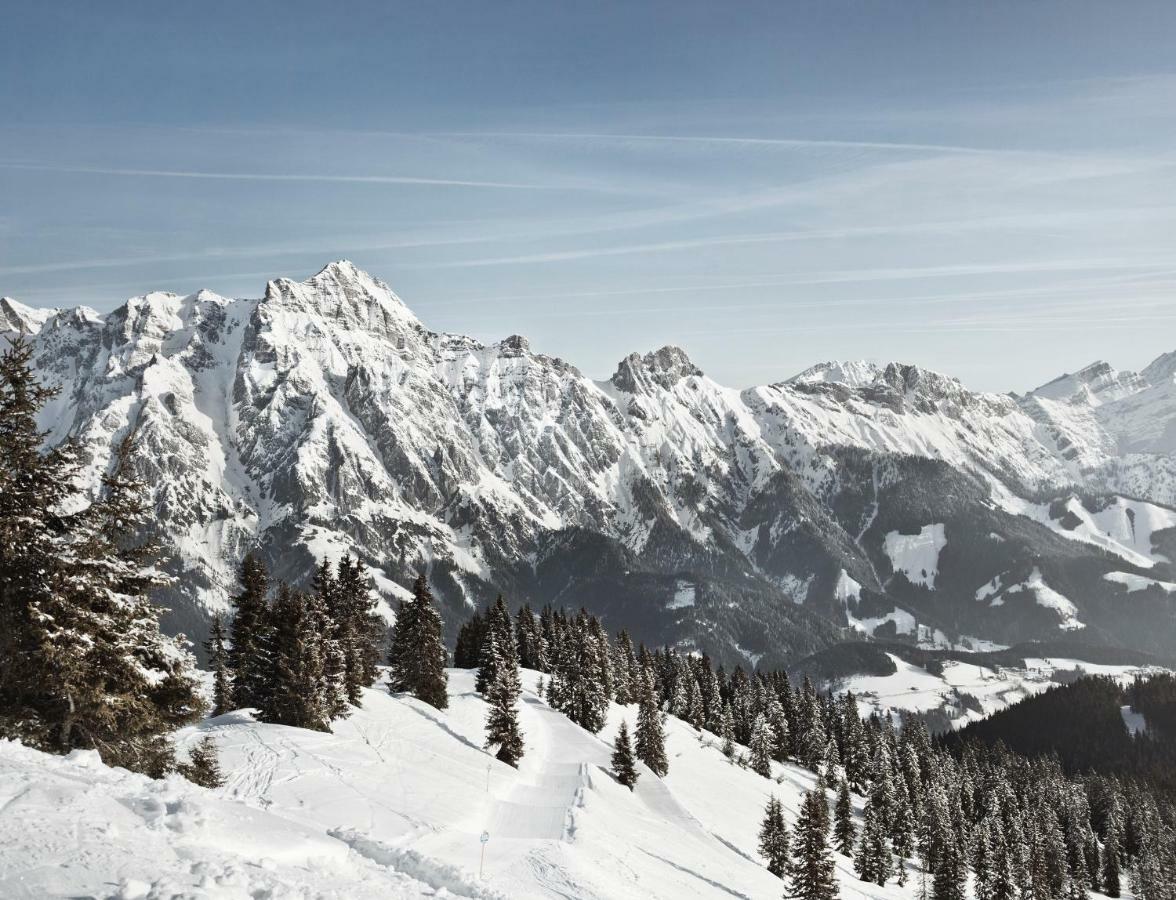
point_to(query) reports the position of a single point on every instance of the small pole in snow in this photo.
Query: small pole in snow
(489, 766)
(484, 838)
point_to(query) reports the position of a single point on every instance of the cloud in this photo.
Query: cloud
(270, 176)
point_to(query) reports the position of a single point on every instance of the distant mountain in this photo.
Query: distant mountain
(760, 525)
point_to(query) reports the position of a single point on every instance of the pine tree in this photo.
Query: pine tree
(499, 635)
(728, 732)
(577, 686)
(651, 741)
(416, 663)
(761, 748)
(502, 722)
(332, 628)
(623, 765)
(367, 629)
(1111, 881)
(773, 838)
(203, 767)
(82, 661)
(247, 660)
(810, 868)
(873, 860)
(294, 692)
(218, 661)
(844, 830)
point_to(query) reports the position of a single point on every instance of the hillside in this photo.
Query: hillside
(391, 805)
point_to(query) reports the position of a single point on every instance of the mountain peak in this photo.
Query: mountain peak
(1161, 370)
(664, 367)
(1092, 385)
(852, 373)
(342, 291)
(16, 317)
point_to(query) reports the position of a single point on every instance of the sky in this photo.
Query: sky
(986, 189)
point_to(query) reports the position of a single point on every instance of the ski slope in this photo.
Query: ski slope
(391, 805)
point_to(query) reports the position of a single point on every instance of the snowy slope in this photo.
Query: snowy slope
(392, 805)
(325, 418)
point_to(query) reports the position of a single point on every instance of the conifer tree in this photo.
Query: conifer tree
(247, 658)
(361, 629)
(844, 830)
(82, 661)
(502, 694)
(1111, 880)
(728, 732)
(203, 767)
(332, 628)
(467, 652)
(294, 693)
(576, 688)
(416, 663)
(499, 635)
(810, 868)
(873, 860)
(218, 661)
(651, 741)
(773, 838)
(761, 748)
(623, 765)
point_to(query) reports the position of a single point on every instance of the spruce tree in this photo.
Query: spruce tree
(810, 868)
(873, 860)
(844, 830)
(761, 748)
(651, 741)
(247, 658)
(203, 767)
(728, 732)
(82, 661)
(218, 662)
(502, 722)
(294, 691)
(1111, 880)
(416, 663)
(623, 765)
(773, 838)
(366, 629)
(499, 635)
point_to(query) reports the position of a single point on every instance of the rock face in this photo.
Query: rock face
(759, 525)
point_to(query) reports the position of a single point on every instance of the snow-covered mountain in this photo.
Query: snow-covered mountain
(761, 524)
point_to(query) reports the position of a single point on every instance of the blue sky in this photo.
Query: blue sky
(988, 189)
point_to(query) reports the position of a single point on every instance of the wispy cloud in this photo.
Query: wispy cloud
(273, 176)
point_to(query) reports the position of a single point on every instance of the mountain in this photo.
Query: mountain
(761, 525)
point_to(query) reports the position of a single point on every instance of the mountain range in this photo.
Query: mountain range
(760, 525)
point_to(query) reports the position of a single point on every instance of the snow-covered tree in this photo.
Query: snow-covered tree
(844, 830)
(651, 740)
(623, 765)
(203, 767)
(773, 838)
(218, 663)
(810, 867)
(416, 662)
(761, 747)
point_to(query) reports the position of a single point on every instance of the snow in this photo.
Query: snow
(990, 688)
(1134, 721)
(1124, 527)
(391, 805)
(917, 556)
(684, 595)
(1046, 596)
(1139, 582)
